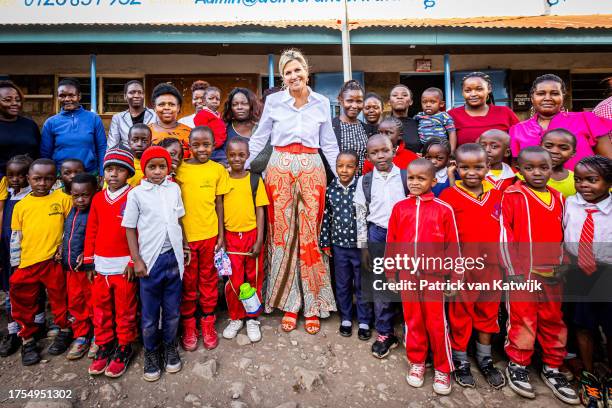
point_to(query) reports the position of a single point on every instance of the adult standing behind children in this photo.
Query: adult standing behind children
(547, 98)
(74, 133)
(198, 89)
(137, 112)
(479, 113)
(241, 113)
(167, 101)
(297, 121)
(400, 99)
(18, 135)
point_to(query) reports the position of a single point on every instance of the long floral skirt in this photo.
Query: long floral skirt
(298, 271)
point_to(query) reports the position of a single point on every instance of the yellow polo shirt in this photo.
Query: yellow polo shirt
(238, 208)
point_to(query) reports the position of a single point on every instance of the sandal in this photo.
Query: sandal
(289, 322)
(312, 325)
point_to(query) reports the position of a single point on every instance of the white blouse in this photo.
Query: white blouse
(284, 124)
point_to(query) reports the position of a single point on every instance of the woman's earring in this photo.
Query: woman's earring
(532, 111)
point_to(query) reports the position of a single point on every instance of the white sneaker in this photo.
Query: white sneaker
(416, 375)
(442, 383)
(232, 329)
(253, 331)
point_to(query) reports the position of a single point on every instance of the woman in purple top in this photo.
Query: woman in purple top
(547, 97)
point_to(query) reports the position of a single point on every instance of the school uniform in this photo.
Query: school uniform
(339, 232)
(588, 234)
(154, 211)
(502, 179)
(403, 157)
(107, 248)
(424, 226)
(372, 224)
(10, 201)
(531, 238)
(478, 226)
(207, 117)
(443, 182)
(40, 221)
(200, 184)
(79, 287)
(240, 235)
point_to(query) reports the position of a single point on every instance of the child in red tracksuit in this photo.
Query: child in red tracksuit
(477, 206)
(243, 211)
(203, 184)
(423, 226)
(37, 226)
(114, 288)
(532, 237)
(497, 145)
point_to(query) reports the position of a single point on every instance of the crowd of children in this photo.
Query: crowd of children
(140, 258)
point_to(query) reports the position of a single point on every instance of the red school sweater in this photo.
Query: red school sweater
(105, 236)
(531, 231)
(477, 220)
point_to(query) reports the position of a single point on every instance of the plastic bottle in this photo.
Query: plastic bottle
(250, 300)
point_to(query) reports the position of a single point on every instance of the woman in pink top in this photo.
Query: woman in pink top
(479, 113)
(547, 97)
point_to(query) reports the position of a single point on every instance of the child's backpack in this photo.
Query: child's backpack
(366, 183)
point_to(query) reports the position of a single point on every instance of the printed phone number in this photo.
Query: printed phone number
(76, 3)
(40, 394)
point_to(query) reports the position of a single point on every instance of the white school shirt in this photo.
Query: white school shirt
(283, 124)
(573, 220)
(385, 194)
(187, 120)
(154, 210)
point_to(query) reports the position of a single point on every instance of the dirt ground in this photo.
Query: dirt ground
(283, 370)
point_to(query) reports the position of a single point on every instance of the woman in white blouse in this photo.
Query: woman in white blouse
(297, 121)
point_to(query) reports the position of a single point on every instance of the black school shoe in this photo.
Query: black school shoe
(492, 374)
(364, 334)
(346, 331)
(463, 374)
(383, 345)
(9, 345)
(61, 342)
(30, 354)
(152, 365)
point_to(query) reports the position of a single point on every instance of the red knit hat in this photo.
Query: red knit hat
(155, 152)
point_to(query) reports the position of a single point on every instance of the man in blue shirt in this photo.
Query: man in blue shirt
(74, 133)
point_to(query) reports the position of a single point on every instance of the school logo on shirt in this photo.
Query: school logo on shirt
(55, 209)
(496, 211)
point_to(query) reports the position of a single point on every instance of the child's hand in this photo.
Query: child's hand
(451, 168)
(256, 250)
(220, 244)
(79, 262)
(129, 273)
(58, 254)
(187, 255)
(327, 251)
(140, 268)
(91, 275)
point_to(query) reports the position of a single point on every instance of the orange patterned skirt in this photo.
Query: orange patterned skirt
(298, 271)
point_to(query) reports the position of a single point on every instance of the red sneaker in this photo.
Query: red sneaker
(121, 359)
(189, 341)
(100, 361)
(209, 334)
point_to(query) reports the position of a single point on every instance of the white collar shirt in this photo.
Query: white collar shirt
(573, 219)
(385, 194)
(154, 210)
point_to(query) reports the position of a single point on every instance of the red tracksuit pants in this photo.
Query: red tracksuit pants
(114, 309)
(536, 316)
(24, 286)
(477, 310)
(200, 279)
(425, 326)
(79, 302)
(244, 269)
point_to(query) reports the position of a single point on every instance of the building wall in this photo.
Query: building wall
(201, 64)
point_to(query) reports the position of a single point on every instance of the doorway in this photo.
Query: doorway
(418, 82)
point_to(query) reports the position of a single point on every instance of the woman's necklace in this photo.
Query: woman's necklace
(166, 127)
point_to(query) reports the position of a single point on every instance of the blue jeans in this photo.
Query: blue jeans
(384, 311)
(161, 290)
(347, 272)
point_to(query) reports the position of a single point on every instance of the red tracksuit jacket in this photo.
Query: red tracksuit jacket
(531, 230)
(423, 226)
(206, 117)
(506, 179)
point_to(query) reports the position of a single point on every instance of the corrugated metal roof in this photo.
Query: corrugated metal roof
(534, 22)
